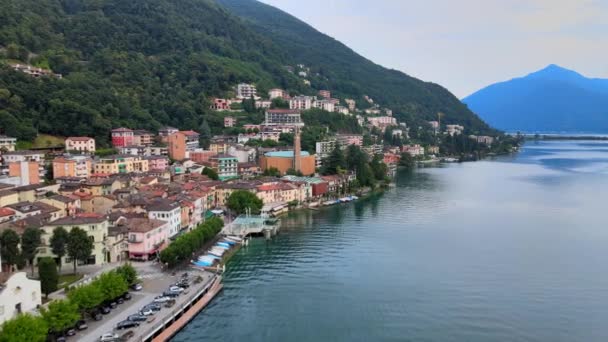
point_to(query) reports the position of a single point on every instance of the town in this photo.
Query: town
(130, 201)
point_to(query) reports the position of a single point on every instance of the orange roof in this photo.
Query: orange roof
(190, 132)
(6, 212)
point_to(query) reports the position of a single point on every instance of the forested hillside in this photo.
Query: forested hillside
(145, 63)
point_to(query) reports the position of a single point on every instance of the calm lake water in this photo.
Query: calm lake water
(514, 249)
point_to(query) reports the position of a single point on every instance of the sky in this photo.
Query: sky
(466, 45)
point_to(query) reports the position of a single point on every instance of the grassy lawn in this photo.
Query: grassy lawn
(67, 279)
(42, 140)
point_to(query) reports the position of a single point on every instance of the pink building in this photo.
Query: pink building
(349, 139)
(157, 162)
(229, 121)
(325, 94)
(221, 104)
(146, 237)
(81, 144)
(122, 137)
(382, 121)
(201, 156)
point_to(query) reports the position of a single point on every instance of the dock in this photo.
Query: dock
(252, 225)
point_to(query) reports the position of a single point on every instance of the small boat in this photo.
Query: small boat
(202, 263)
(329, 202)
(231, 243)
(354, 198)
(222, 244)
(233, 238)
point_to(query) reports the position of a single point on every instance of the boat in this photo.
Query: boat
(231, 243)
(202, 263)
(233, 238)
(354, 197)
(223, 244)
(330, 202)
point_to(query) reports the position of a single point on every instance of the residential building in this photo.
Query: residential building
(168, 211)
(8, 197)
(177, 146)
(229, 121)
(263, 104)
(96, 227)
(388, 112)
(243, 154)
(276, 93)
(484, 139)
(341, 110)
(434, 125)
(80, 144)
(7, 144)
(284, 161)
(18, 294)
(249, 170)
(28, 172)
(221, 104)
(349, 139)
(391, 158)
(157, 162)
(301, 102)
(166, 131)
(325, 105)
(122, 137)
(382, 121)
(72, 166)
(6, 215)
(454, 129)
(23, 155)
(432, 149)
(146, 237)
(351, 104)
(225, 165)
(143, 138)
(323, 149)
(68, 205)
(120, 164)
(284, 117)
(246, 91)
(413, 150)
(201, 156)
(192, 140)
(326, 94)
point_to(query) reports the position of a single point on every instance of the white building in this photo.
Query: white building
(168, 211)
(322, 150)
(243, 154)
(246, 91)
(454, 129)
(276, 93)
(80, 144)
(263, 104)
(7, 143)
(351, 104)
(301, 102)
(18, 294)
(19, 156)
(325, 105)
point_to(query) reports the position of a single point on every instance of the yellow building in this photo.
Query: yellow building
(121, 164)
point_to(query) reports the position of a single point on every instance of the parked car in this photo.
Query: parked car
(137, 287)
(96, 315)
(183, 284)
(147, 312)
(170, 294)
(120, 300)
(137, 318)
(176, 289)
(161, 299)
(81, 325)
(60, 339)
(153, 306)
(105, 310)
(113, 305)
(127, 296)
(126, 325)
(70, 332)
(108, 337)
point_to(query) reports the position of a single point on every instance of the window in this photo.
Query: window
(92, 238)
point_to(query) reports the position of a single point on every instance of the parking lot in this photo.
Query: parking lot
(152, 287)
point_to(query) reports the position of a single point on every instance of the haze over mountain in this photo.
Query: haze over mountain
(147, 63)
(553, 99)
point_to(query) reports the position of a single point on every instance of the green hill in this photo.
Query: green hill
(146, 63)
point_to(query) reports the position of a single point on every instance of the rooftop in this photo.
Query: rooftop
(283, 111)
(143, 225)
(285, 154)
(80, 138)
(78, 220)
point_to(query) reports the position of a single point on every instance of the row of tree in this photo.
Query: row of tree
(354, 159)
(63, 314)
(17, 250)
(183, 247)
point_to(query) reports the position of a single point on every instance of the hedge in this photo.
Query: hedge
(184, 246)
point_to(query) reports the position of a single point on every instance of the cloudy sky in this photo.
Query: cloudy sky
(467, 44)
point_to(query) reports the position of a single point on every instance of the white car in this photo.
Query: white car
(161, 299)
(108, 337)
(176, 289)
(146, 312)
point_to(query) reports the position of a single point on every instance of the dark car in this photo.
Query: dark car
(105, 310)
(137, 318)
(113, 305)
(170, 294)
(126, 325)
(153, 306)
(182, 284)
(120, 300)
(70, 332)
(137, 287)
(96, 315)
(61, 339)
(127, 296)
(81, 325)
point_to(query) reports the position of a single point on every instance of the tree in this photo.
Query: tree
(293, 172)
(112, 285)
(211, 173)
(60, 315)
(49, 278)
(79, 246)
(278, 102)
(407, 161)
(272, 172)
(58, 243)
(241, 200)
(9, 243)
(86, 297)
(30, 241)
(334, 162)
(378, 167)
(24, 328)
(205, 133)
(128, 273)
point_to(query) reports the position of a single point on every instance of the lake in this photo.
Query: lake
(511, 249)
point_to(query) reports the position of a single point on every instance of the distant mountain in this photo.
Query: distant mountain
(553, 99)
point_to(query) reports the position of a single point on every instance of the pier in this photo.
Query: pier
(252, 225)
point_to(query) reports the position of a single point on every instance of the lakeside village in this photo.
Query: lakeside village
(167, 194)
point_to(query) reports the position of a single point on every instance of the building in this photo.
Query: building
(7, 144)
(382, 121)
(434, 125)
(323, 149)
(326, 105)
(454, 129)
(18, 294)
(244, 154)
(120, 164)
(301, 102)
(146, 237)
(221, 104)
(351, 104)
(201, 156)
(72, 166)
(166, 131)
(326, 94)
(283, 117)
(484, 139)
(229, 121)
(192, 139)
(276, 93)
(80, 144)
(246, 91)
(156, 163)
(225, 165)
(34, 71)
(142, 138)
(28, 172)
(177, 146)
(122, 137)
(168, 211)
(23, 155)
(96, 227)
(8, 197)
(413, 150)
(349, 139)
(69, 205)
(284, 160)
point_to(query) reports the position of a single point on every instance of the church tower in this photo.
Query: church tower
(297, 164)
